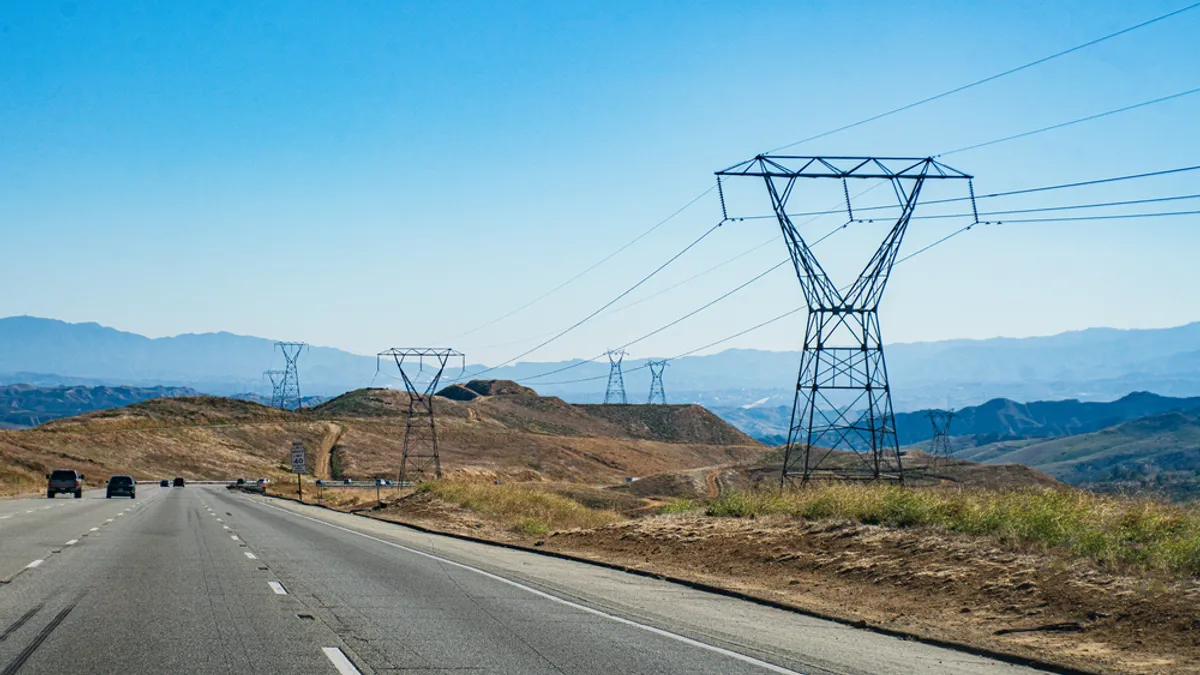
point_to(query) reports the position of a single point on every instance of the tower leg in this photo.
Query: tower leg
(842, 422)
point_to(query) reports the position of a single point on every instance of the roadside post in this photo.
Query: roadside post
(299, 464)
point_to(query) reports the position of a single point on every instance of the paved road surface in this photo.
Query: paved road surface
(202, 580)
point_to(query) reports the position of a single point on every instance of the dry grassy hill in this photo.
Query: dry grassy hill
(200, 437)
(504, 430)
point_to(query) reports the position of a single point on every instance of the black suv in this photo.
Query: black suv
(121, 486)
(64, 480)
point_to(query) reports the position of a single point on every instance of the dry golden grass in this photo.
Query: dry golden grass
(523, 509)
(1113, 531)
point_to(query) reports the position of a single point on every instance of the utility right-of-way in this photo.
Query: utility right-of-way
(206, 580)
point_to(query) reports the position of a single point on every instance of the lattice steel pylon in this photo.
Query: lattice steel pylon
(843, 401)
(289, 386)
(658, 395)
(940, 448)
(276, 378)
(420, 453)
(615, 392)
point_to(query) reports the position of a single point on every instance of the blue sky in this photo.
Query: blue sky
(371, 174)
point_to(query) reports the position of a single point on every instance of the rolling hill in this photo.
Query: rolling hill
(515, 434)
(23, 405)
(995, 420)
(1157, 453)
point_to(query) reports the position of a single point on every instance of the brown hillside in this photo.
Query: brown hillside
(509, 433)
(689, 423)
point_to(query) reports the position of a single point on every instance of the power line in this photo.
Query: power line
(606, 305)
(1071, 207)
(1079, 120)
(694, 312)
(990, 78)
(603, 260)
(801, 308)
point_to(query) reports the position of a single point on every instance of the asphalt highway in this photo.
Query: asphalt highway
(204, 580)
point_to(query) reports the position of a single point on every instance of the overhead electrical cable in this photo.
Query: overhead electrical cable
(603, 260)
(1068, 123)
(606, 305)
(694, 312)
(990, 78)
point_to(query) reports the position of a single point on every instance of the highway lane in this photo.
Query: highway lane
(204, 580)
(32, 528)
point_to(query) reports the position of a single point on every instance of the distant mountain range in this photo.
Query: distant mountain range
(23, 405)
(1098, 364)
(1140, 442)
(995, 420)
(1157, 454)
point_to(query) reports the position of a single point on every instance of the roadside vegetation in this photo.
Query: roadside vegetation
(1110, 530)
(522, 509)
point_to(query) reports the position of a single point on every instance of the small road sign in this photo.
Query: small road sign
(299, 458)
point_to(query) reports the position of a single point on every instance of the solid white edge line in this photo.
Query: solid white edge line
(250, 555)
(277, 587)
(554, 598)
(72, 542)
(34, 564)
(339, 661)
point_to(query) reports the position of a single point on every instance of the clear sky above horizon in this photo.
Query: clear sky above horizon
(375, 174)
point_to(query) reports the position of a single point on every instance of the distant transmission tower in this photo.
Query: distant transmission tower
(289, 386)
(615, 393)
(420, 460)
(276, 377)
(939, 447)
(843, 401)
(657, 393)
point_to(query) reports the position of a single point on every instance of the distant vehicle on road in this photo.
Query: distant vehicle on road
(164, 483)
(64, 480)
(347, 482)
(263, 481)
(121, 486)
(178, 482)
(241, 481)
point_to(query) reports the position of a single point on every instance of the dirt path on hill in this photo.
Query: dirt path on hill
(324, 465)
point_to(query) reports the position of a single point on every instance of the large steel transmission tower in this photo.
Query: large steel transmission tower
(276, 378)
(615, 392)
(658, 395)
(420, 460)
(939, 447)
(843, 402)
(289, 386)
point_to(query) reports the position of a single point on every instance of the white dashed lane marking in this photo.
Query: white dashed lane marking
(339, 661)
(34, 564)
(250, 555)
(94, 529)
(233, 537)
(72, 542)
(275, 586)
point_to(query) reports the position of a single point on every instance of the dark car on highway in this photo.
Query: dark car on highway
(121, 486)
(64, 480)
(164, 483)
(178, 482)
